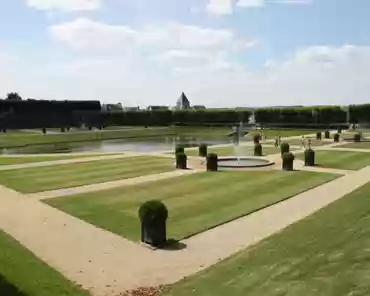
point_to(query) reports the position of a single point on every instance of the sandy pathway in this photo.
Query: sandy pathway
(108, 264)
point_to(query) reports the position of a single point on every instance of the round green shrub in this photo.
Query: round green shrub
(203, 150)
(179, 149)
(44, 130)
(288, 160)
(336, 138)
(153, 211)
(327, 134)
(212, 162)
(256, 138)
(318, 136)
(284, 147)
(181, 161)
(309, 157)
(339, 130)
(257, 149)
(357, 138)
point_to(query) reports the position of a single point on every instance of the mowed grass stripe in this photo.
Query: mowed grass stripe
(195, 202)
(346, 160)
(22, 274)
(325, 254)
(71, 175)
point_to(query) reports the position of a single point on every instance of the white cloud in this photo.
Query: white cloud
(251, 3)
(65, 5)
(219, 7)
(261, 3)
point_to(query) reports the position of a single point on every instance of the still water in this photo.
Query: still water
(138, 145)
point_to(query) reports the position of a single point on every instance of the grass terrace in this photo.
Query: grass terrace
(324, 254)
(195, 202)
(77, 174)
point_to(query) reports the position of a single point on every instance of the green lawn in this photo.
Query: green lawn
(326, 254)
(314, 142)
(229, 151)
(345, 160)
(70, 175)
(22, 274)
(9, 160)
(195, 202)
(272, 133)
(360, 145)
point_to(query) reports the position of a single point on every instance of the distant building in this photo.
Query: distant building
(131, 109)
(199, 107)
(157, 108)
(183, 103)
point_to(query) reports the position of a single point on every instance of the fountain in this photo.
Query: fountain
(240, 160)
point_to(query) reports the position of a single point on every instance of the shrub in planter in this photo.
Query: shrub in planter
(90, 127)
(327, 135)
(202, 150)
(179, 149)
(181, 161)
(339, 130)
(284, 147)
(336, 138)
(256, 139)
(288, 160)
(318, 136)
(257, 149)
(309, 157)
(44, 130)
(357, 138)
(153, 215)
(212, 162)
(63, 130)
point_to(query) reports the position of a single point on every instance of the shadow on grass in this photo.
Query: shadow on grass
(8, 289)
(173, 245)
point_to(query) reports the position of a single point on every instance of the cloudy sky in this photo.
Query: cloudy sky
(220, 52)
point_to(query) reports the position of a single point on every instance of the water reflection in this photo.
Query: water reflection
(137, 145)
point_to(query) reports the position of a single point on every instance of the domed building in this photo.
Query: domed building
(183, 103)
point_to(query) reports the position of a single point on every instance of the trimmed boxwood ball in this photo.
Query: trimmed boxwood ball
(153, 215)
(44, 130)
(318, 136)
(336, 138)
(203, 150)
(181, 161)
(327, 135)
(357, 138)
(284, 147)
(212, 162)
(179, 149)
(288, 160)
(309, 157)
(339, 130)
(257, 149)
(256, 139)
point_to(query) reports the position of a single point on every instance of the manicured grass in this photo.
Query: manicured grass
(346, 160)
(229, 151)
(70, 175)
(272, 133)
(360, 145)
(22, 274)
(326, 254)
(8, 160)
(195, 202)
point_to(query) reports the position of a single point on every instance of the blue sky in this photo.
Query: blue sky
(220, 52)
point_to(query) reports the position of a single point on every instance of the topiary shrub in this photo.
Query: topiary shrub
(327, 135)
(336, 138)
(203, 150)
(357, 138)
(63, 130)
(212, 162)
(44, 130)
(288, 160)
(318, 136)
(90, 127)
(284, 147)
(153, 215)
(309, 157)
(257, 149)
(179, 149)
(256, 139)
(339, 130)
(181, 161)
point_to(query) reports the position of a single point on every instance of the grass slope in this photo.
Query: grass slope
(229, 151)
(195, 202)
(360, 145)
(344, 160)
(71, 175)
(326, 254)
(22, 274)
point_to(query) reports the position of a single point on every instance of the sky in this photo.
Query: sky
(221, 53)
